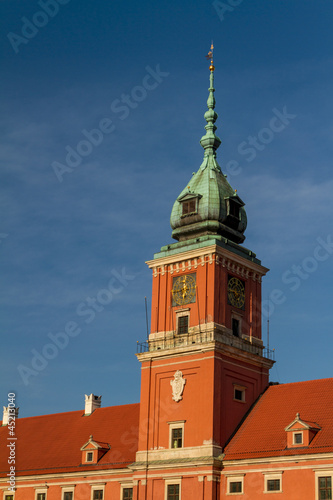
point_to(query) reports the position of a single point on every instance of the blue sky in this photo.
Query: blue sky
(63, 243)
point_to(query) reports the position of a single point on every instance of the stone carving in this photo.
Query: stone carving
(177, 385)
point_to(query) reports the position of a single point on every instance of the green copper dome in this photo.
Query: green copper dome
(208, 205)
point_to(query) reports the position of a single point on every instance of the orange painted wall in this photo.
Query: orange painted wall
(208, 404)
(211, 303)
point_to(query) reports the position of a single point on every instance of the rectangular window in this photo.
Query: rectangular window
(235, 327)
(189, 207)
(68, 495)
(183, 324)
(235, 487)
(325, 488)
(177, 438)
(128, 494)
(98, 495)
(41, 496)
(9, 497)
(239, 393)
(298, 438)
(273, 485)
(90, 456)
(173, 492)
(233, 209)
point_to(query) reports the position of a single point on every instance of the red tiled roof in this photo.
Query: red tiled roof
(262, 433)
(51, 443)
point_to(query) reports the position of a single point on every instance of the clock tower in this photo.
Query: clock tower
(204, 364)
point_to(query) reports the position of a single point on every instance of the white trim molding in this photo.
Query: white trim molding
(124, 485)
(272, 476)
(68, 489)
(322, 473)
(177, 424)
(235, 478)
(97, 487)
(40, 491)
(173, 481)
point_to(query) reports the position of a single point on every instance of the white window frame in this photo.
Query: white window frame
(174, 480)
(294, 438)
(179, 314)
(68, 489)
(38, 491)
(8, 492)
(124, 486)
(239, 478)
(178, 424)
(242, 389)
(272, 476)
(90, 461)
(322, 473)
(97, 486)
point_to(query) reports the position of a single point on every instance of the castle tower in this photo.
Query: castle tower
(204, 364)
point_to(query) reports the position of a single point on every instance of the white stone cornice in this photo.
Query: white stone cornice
(191, 259)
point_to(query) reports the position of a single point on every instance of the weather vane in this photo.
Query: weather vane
(210, 56)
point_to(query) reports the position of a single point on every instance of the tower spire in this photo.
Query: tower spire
(210, 142)
(208, 207)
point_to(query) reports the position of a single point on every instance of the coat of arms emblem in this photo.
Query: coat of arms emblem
(177, 385)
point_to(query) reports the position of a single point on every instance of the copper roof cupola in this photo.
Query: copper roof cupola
(208, 206)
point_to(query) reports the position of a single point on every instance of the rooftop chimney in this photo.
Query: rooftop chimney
(91, 403)
(9, 412)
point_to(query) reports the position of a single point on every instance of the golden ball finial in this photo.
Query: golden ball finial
(211, 67)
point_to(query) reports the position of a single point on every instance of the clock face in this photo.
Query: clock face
(236, 292)
(184, 288)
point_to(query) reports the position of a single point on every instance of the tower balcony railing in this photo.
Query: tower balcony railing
(189, 339)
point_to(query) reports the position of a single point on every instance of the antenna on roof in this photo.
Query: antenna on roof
(268, 327)
(147, 318)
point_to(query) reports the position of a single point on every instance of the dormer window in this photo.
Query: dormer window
(189, 207)
(233, 208)
(93, 450)
(189, 204)
(300, 432)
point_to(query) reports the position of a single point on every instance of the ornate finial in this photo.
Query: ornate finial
(210, 56)
(212, 67)
(210, 142)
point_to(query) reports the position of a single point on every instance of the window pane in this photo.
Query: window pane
(41, 496)
(173, 492)
(177, 438)
(192, 206)
(68, 495)
(325, 488)
(238, 394)
(189, 207)
(183, 324)
(128, 494)
(298, 438)
(98, 495)
(235, 487)
(273, 485)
